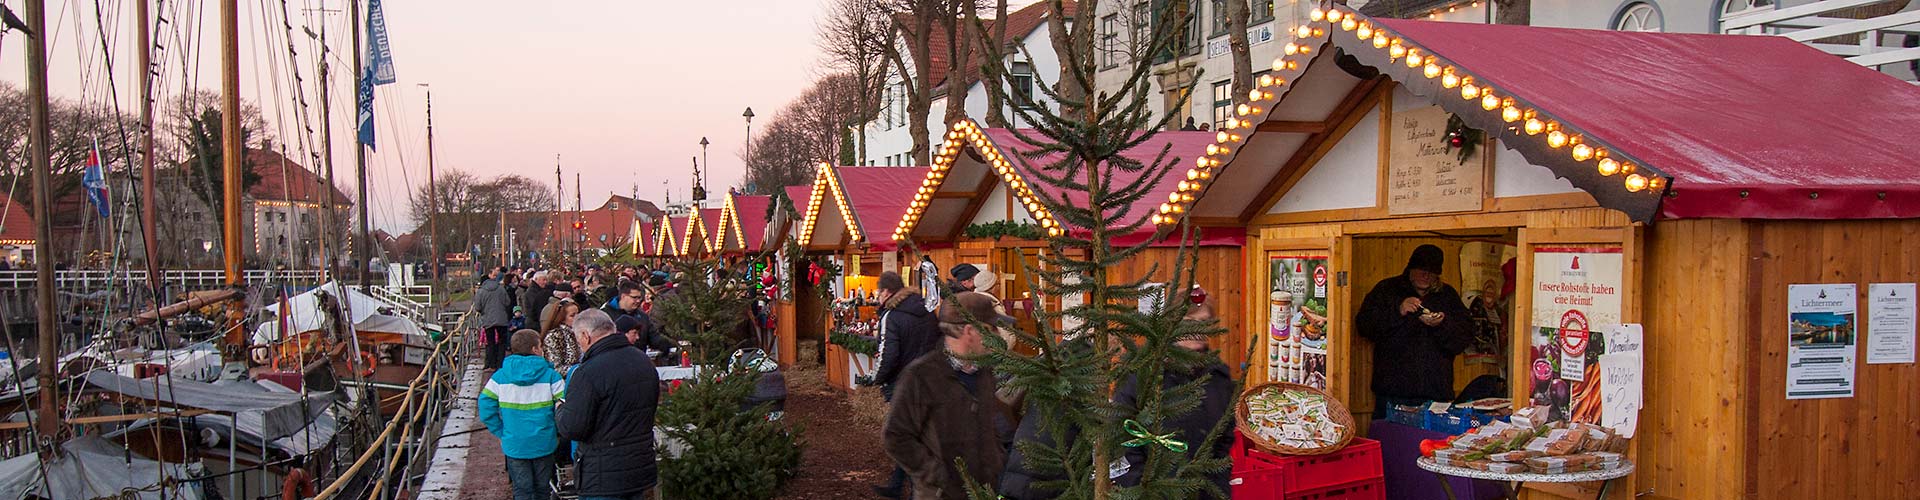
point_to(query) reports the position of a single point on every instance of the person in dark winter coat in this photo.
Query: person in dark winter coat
(1020, 480)
(609, 410)
(944, 407)
(1193, 426)
(1417, 325)
(534, 299)
(962, 278)
(907, 331)
(496, 314)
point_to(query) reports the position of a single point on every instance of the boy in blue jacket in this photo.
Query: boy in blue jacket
(517, 406)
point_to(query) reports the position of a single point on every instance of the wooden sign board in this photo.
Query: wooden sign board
(1424, 175)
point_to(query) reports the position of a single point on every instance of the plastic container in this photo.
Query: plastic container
(1371, 489)
(1411, 417)
(1359, 461)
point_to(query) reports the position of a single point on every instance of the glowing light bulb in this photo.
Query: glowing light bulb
(1364, 32)
(1243, 109)
(1292, 48)
(1257, 95)
(1608, 166)
(1173, 197)
(1200, 162)
(1396, 51)
(1317, 15)
(1657, 183)
(1468, 90)
(1279, 64)
(1432, 70)
(1335, 15)
(1636, 183)
(1213, 149)
(1266, 80)
(1204, 175)
(1304, 32)
(1448, 80)
(1510, 114)
(1380, 40)
(1349, 24)
(1556, 139)
(1193, 175)
(1582, 152)
(1166, 208)
(1534, 126)
(1220, 136)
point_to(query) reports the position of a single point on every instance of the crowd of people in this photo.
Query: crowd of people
(574, 381)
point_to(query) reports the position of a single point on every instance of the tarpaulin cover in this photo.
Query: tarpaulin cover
(92, 467)
(878, 198)
(1749, 126)
(284, 413)
(306, 315)
(313, 437)
(1178, 147)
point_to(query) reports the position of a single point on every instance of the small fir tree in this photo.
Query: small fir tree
(1077, 156)
(733, 450)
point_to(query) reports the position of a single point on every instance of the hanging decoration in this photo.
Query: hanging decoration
(1460, 136)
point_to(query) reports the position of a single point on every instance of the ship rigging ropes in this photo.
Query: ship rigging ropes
(430, 381)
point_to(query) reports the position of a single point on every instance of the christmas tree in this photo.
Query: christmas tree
(1090, 188)
(732, 448)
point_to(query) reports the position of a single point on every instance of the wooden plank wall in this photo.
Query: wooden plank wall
(1690, 435)
(1221, 272)
(1859, 447)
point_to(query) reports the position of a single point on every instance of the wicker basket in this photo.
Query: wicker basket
(1335, 410)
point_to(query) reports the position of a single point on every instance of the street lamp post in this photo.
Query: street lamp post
(699, 180)
(749, 116)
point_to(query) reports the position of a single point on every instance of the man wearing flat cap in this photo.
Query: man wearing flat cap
(1417, 325)
(963, 278)
(944, 406)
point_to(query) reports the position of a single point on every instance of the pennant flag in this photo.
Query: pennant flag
(377, 69)
(94, 180)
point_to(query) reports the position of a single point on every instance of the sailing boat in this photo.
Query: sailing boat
(176, 419)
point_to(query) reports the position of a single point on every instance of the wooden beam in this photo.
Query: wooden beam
(1349, 112)
(975, 202)
(945, 195)
(1297, 127)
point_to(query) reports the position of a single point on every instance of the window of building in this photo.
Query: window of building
(1219, 8)
(1022, 81)
(1110, 41)
(1222, 103)
(1262, 11)
(196, 216)
(1142, 24)
(1639, 16)
(886, 108)
(1734, 7)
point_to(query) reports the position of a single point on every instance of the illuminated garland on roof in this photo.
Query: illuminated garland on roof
(1309, 36)
(962, 134)
(639, 237)
(730, 218)
(693, 225)
(663, 237)
(827, 180)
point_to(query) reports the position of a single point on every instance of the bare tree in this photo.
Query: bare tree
(990, 72)
(1237, 18)
(1513, 12)
(806, 131)
(471, 208)
(855, 36)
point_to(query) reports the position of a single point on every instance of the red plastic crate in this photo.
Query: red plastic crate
(1358, 462)
(1255, 479)
(1371, 489)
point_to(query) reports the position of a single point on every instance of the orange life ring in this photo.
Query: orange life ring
(298, 484)
(368, 362)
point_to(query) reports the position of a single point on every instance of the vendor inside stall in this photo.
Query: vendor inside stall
(1418, 325)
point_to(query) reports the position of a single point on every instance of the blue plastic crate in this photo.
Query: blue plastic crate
(1411, 417)
(1450, 422)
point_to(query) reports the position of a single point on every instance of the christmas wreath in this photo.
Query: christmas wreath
(1460, 136)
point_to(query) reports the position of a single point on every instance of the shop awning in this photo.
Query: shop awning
(743, 224)
(1748, 126)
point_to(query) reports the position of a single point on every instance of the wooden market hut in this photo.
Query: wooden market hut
(992, 194)
(664, 237)
(1677, 181)
(798, 304)
(848, 213)
(742, 225)
(697, 230)
(637, 239)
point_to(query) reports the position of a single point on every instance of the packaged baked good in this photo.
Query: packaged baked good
(1506, 467)
(1513, 456)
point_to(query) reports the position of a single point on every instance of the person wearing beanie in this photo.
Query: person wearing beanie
(962, 278)
(1418, 325)
(1192, 427)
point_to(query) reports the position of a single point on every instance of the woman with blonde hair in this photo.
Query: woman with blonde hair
(556, 336)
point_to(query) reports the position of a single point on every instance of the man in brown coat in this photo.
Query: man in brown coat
(944, 407)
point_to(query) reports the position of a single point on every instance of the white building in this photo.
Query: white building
(1031, 62)
(1881, 34)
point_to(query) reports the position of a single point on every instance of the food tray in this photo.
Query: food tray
(1335, 411)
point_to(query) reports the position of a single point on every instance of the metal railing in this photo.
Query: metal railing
(1873, 33)
(414, 307)
(191, 278)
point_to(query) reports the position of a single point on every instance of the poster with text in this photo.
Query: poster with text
(1576, 296)
(1297, 319)
(1890, 323)
(1820, 340)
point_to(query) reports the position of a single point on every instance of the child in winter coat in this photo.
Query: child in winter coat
(517, 407)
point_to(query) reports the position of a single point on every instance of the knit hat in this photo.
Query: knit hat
(1427, 258)
(964, 272)
(626, 323)
(967, 307)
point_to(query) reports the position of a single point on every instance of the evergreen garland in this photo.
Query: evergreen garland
(732, 450)
(1462, 137)
(1006, 229)
(857, 344)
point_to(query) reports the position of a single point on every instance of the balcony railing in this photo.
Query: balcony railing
(1879, 34)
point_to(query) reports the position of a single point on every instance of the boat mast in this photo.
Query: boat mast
(433, 207)
(38, 155)
(326, 147)
(148, 234)
(559, 207)
(360, 251)
(231, 149)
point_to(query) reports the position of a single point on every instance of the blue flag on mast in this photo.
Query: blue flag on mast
(377, 69)
(94, 179)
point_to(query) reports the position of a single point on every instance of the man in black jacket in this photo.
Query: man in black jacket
(907, 331)
(609, 410)
(1193, 426)
(1417, 325)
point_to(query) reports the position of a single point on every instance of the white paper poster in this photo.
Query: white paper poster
(1070, 301)
(1890, 323)
(1820, 340)
(889, 262)
(1622, 377)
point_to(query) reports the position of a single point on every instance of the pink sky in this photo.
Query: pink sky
(622, 90)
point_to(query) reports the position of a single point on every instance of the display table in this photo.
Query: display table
(1515, 480)
(1399, 446)
(670, 373)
